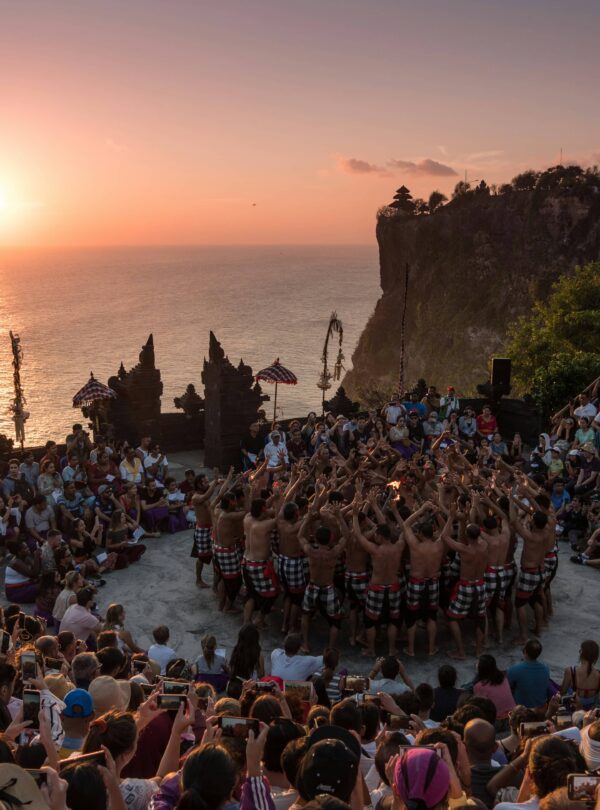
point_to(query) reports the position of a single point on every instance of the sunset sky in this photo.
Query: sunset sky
(277, 121)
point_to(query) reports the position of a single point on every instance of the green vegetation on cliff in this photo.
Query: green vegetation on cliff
(556, 349)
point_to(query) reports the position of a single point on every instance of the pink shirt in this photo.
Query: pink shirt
(499, 694)
(79, 621)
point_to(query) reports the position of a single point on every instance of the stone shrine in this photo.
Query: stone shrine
(232, 399)
(136, 411)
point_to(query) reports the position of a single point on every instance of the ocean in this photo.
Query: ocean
(78, 311)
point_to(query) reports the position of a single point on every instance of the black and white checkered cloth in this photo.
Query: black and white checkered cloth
(259, 577)
(356, 586)
(202, 547)
(293, 573)
(320, 598)
(468, 597)
(423, 593)
(530, 579)
(497, 580)
(228, 560)
(375, 602)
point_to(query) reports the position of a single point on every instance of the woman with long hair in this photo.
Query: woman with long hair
(115, 620)
(246, 660)
(209, 662)
(84, 545)
(50, 483)
(492, 683)
(117, 540)
(104, 471)
(72, 584)
(583, 680)
(208, 779)
(118, 733)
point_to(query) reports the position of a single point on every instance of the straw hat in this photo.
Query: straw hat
(20, 786)
(109, 694)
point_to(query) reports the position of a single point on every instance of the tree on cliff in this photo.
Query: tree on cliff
(403, 201)
(556, 349)
(436, 199)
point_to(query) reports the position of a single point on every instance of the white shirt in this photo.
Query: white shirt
(162, 655)
(388, 685)
(588, 410)
(272, 452)
(392, 412)
(530, 804)
(294, 667)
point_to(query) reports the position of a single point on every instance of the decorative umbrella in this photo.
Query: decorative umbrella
(92, 392)
(276, 373)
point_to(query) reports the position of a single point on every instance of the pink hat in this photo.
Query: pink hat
(421, 778)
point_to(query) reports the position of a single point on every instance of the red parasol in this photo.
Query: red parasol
(276, 373)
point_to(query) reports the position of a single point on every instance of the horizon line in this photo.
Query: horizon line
(187, 245)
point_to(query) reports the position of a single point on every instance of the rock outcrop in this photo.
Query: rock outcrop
(474, 266)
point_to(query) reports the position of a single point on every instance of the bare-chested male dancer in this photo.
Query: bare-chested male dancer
(202, 548)
(423, 589)
(384, 593)
(258, 571)
(468, 596)
(320, 592)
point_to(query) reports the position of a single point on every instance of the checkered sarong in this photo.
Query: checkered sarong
(260, 578)
(529, 581)
(202, 547)
(423, 593)
(293, 573)
(550, 565)
(323, 598)
(468, 596)
(228, 560)
(356, 587)
(497, 580)
(376, 597)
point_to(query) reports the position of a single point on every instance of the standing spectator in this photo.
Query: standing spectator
(446, 695)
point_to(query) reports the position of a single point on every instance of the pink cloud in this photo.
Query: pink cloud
(356, 166)
(425, 167)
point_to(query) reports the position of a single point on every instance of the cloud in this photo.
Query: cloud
(356, 166)
(479, 157)
(426, 167)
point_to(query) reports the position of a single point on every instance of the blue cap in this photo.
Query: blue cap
(78, 703)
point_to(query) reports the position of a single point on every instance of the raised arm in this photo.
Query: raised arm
(361, 539)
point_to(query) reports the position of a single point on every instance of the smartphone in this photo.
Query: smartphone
(5, 642)
(533, 729)
(31, 707)
(238, 727)
(398, 722)
(170, 702)
(95, 758)
(563, 721)
(139, 666)
(403, 748)
(175, 687)
(356, 683)
(301, 688)
(38, 776)
(147, 689)
(28, 666)
(53, 663)
(567, 700)
(581, 787)
(265, 686)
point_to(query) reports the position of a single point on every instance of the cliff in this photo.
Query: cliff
(475, 264)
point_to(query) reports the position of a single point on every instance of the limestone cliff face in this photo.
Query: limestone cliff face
(474, 266)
